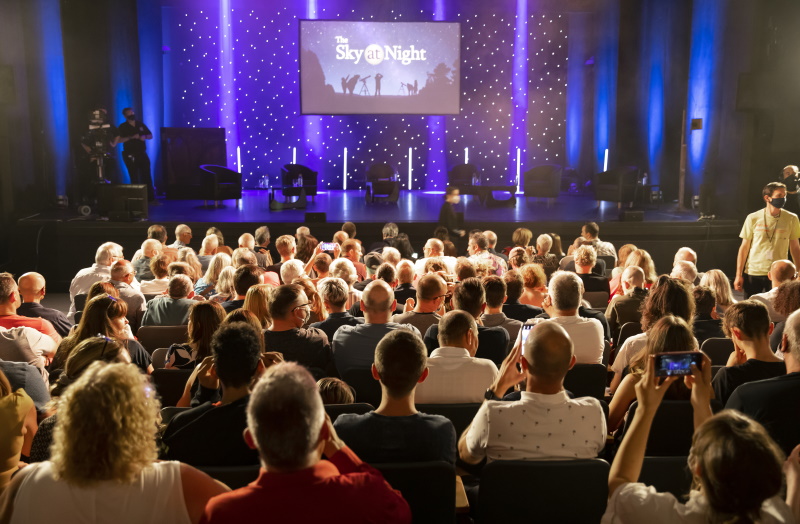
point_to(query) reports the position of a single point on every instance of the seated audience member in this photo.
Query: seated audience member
(208, 249)
(431, 293)
(405, 282)
(123, 276)
(321, 265)
(306, 246)
(242, 256)
(350, 229)
(669, 296)
(434, 248)
(718, 281)
(287, 249)
(262, 240)
(470, 296)
(106, 255)
(286, 422)
(787, 301)
(290, 270)
(454, 374)
(205, 285)
(668, 334)
(150, 249)
(543, 256)
(257, 302)
(386, 272)
(318, 313)
(491, 238)
(17, 430)
(104, 316)
(535, 285)
(102, 288)
(495, 288)
(748, 326)
(343, 268)
(512, 307)
(478, 249)
(354, 346)
(619, 266)
(351, 250)
(685, 271)
(211, 433)
(104, 450)
(561, 303)
(290, 311)
(779, 272)
(159, 267)
(183, 235)
(224, 290)
(204, 319)
(391, 255)
(222, 248)
(333, 292)
(585, 260)
(517, 258)
(373, 262)
(243, 279)
(396, 431)
(590, 232)
(465, 269)
(627, 307)
(340, 237)
(187, 255)
(775, 402)
(735, 465)
(335, 391)
(22, 375)
(248, 242)
(706, 323)
(521, 237)
(545, 423)
(87, 352)
(388, 236)
(173, 308)
(24, 344)
(32, 290)
(10, 300)
(641, 259)
(159, 234)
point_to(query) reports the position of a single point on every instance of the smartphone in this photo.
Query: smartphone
(525, 331)
(327, 246)
(677, 363)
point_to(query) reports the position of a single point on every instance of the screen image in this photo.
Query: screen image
(379, 67)
(677, 363)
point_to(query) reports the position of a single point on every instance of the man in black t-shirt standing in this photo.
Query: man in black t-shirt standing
(133, 133)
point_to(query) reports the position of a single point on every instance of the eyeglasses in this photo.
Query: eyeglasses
(303, 306)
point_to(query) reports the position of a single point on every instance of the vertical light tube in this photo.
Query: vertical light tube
(344, 173)
(466, 155)
(410, 166)
(605, 161)
(294, 155)
(238, 159)
(519, 164)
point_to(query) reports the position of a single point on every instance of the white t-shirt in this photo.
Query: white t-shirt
(24, 344)
(454, 377)
(635, 503)
(587, 337)
(629, 349)
(538, 427)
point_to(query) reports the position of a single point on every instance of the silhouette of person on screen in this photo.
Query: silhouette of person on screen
(344, 84)
(378, 84)
(416, 87)
(351, 84)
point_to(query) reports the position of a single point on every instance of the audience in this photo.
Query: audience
(334, 294)
(204, 320)
(716, 280)
(351, 250)
(431, 293)
(10, 300)
(517, 258)
(512, 307)
(159, 267)
(335, 391)
(150, 249)
(257, 302)
(22, 375)
(787, 301)
(706, 323)
(205, 285)
(244, 278)
(173, 308)
(543, 256)
(396, 431)
(685, 271)
(207, 251)
(261, 246)
(627, 307)
(123, 277)
(590, 233)
(779, 272)
(434, 248)
(188, 256)
(535, 285)
(344, 269)
(104, 450)
(183, 235)
(287, 249)
(495, 289)
(585, 260)
(478, 249)
(221, 247)
(106, 255)
(19, 426)
(404, 289)
(32, 289)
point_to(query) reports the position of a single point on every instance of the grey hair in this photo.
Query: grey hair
(391, 255)
(792, 331)
(182, 228)
(292, 269)
(180, 286)
(679, 255)
(684, 270)
(210, 242)
(545, 241)
(243, 256)
(334, 290)
(565, 290)
(344, 269)
(106, 251)
(218, 262)
(285, 416)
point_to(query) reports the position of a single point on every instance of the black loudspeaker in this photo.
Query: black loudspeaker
(629, 215)
(8, 94)
(122, 202)
(315, 218)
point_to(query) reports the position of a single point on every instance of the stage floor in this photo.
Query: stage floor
(413, 206)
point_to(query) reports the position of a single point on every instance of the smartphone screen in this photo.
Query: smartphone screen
(525, 330)
(678, 363)
(327, 246)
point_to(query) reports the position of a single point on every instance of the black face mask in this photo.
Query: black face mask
(131, 118)
(778, 202)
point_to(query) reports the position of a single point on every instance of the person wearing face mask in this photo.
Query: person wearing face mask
(132, 134)
(767, 235)
(290, 310)
(447, 214)
(790, 176)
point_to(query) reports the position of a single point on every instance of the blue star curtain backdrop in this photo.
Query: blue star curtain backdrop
(234, 64)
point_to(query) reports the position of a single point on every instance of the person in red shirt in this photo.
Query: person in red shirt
(287, 423)
(10, 300)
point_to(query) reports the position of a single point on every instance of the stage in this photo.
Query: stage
(59, 243)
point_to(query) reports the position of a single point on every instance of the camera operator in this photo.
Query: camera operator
(132, 134)
(98, 142)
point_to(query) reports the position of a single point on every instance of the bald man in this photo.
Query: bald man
(248, 241)
(32, 289)
(354, 346)
(779, 272)
(434, 248)
(10, 300)
(626, 307)
(545, 423)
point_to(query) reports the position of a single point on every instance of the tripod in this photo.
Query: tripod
(364, 89)
(402, 88)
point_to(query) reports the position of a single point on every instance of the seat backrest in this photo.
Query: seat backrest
(358, 408)
(169, 412)
(543, 490)
(672, 429)
(587, 380)
(462, 174)
(154, 337)
(380, 171)
(543, 171)
(610, 263)
(170, 383)
(667, 475)
(428, 487)
(150, 296)
(367, 388)
(718, 350)
(460, 415)
(234, 477)
(596, 299)
(627, 330)
(158, 357)
(80, 302)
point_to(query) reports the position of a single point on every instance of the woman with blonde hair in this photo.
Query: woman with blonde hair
(616, 274)
(318, 312)
(17, 428)
(344, 269)
(224, 288)
(187, 255)
(535, 284)
(103, 465)
(204, 319)
(716, 280)
(205, 285)
(642, 259)
(257, 302)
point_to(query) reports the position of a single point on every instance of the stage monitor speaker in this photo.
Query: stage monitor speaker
(316, 218)
(122, 202)
(629, 215)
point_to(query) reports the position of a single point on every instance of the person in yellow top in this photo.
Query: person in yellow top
(17, 427)
(767, 235)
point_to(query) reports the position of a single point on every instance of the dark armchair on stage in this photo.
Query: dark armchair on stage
(617, 185)
(219, 183)
(467, 178)
(297, 183)
(382, 184)
(543, 182)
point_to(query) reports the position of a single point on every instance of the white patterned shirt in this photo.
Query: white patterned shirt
(454, 377)
(538, 426)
